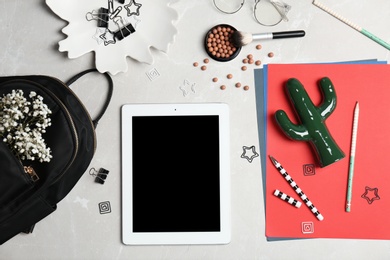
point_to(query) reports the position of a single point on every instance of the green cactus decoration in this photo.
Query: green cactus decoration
(312, 128)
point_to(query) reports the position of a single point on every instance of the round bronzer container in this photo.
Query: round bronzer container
(218, 43)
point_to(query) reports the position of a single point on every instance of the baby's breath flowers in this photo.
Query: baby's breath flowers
(22, 123)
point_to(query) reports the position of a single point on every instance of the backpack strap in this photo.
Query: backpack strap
(109, 95)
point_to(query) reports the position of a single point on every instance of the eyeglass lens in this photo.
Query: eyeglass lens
(266, 13)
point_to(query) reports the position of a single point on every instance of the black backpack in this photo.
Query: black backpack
(30, 190)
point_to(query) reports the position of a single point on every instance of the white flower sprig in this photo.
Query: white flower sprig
(22, 123)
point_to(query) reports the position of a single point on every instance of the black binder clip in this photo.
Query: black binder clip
(101, 16)
(100, 176)
(124, 30)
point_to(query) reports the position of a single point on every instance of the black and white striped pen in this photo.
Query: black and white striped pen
(288, 199)
(296, 188)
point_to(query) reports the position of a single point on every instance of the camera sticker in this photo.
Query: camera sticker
(309, 169)
(104, 207)
(307, 227)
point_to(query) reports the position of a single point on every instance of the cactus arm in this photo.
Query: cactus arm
(294, 131)
(300, 100)
(329, 98)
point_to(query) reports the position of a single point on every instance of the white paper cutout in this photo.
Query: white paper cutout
(152, 21)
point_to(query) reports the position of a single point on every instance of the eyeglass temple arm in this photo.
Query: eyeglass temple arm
(216, 6)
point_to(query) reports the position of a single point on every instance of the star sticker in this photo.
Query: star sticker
(99, 32)
(108, 37)
(134, 20)
(82, 201)
(370, 199)
(187, 87)
(133, 12)
(254, 154)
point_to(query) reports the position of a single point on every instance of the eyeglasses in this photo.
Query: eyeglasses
(265, 12)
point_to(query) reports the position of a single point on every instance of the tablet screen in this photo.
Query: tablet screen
(176, 174)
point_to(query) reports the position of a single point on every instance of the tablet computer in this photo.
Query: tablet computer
(175, 174)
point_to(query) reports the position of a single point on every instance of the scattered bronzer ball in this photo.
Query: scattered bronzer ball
(218, 43)
(248, 60)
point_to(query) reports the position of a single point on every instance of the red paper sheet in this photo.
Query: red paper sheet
(326, 187)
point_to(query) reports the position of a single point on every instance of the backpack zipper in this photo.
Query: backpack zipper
(90, 121)
(85, 109)
(30, 171)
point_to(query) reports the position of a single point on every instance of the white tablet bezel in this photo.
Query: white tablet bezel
(131, 238)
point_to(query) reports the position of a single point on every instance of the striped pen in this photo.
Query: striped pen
(288, 199)
(296, 188)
